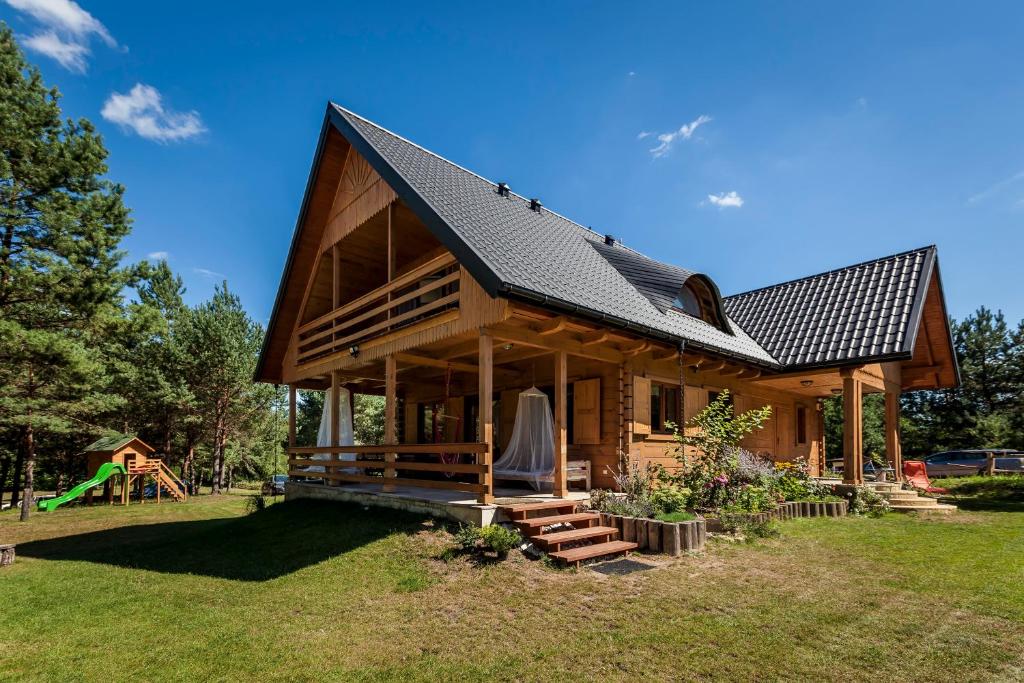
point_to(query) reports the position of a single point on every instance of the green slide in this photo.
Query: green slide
(106, 470)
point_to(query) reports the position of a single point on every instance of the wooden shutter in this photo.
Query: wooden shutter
(411, 427)
(641, 405)
(586, 411)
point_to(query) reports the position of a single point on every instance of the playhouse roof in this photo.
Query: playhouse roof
(115, 442)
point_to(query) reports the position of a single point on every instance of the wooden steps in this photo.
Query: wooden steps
(587, 536)
(589, 552)
(554, 541)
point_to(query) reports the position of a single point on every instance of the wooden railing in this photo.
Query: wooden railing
(425, 291)
(390, 465)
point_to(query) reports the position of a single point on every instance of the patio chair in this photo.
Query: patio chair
(916, 474)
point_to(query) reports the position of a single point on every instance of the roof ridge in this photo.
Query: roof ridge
(460, 167)
(814, 276)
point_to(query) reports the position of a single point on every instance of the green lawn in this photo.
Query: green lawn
(323, 591)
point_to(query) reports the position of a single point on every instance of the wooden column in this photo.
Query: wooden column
(335, 412)
(485, 411)
(390, 417)
(853, 429)
(893, 449)
(559, 487)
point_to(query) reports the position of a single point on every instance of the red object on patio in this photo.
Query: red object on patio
(916, 474)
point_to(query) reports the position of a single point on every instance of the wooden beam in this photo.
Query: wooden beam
(731, 370)
(570, 346)
(390, 416)
(713, 365)
(485, 413)
(749, 373)
(559, 487)
(663, 354)
(635, 348)
(893, 448)
(418, 360)
(596, 337)
(552, 326)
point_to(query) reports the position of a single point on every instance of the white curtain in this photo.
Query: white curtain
(323, 436)
(530, 455)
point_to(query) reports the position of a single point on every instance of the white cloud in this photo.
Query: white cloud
(158, 255)
(142, 111)
(209, 274)
(726, 200)
(65, 31)
(995, 189)
(685, 132)
(631, 74)
(643, 134)
(69, 54)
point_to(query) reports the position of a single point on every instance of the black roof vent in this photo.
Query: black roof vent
(535, 205)
(609, 240)
(503, 189)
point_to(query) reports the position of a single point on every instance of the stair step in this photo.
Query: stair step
(534, 523)
(556, 539)
(587, 552)
(937, 508)
(915, 502)
(523, 510)
(900, 495)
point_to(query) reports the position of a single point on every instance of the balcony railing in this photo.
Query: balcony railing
(423, 292)
(393, 466)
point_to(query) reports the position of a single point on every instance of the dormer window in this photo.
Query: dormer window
(695, 298)
(687, 302)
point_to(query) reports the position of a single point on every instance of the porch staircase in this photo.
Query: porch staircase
(566, 534)
(908, 500)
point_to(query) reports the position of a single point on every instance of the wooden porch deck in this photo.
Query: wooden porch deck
(456, 505)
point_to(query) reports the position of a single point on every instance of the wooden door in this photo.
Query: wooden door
(785, 439)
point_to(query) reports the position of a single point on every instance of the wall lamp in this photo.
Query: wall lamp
(354, 350)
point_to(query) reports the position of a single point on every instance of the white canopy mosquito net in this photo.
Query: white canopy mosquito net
(530, 455)
(323, 436)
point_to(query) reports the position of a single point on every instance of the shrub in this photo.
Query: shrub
(866, 501)
(739, 521)
(637, 486)
(669, 499)
(752, 498)
(256, 503)
(500, 539)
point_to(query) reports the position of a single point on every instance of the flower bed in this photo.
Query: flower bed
(671, 538)
(789, 510)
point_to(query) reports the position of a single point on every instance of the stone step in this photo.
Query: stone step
(588, 552)
(915, 502)
(900, 495)
(936, 509)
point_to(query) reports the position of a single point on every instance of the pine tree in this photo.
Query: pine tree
(60, 226)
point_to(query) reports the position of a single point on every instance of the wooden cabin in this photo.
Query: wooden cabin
(137, 458)
(412, 277)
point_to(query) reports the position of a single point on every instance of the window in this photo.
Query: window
(664, 406)
(713, 396)
(801, 425)
(687, 301)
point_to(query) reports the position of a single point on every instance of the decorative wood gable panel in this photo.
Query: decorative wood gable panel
(361, 194)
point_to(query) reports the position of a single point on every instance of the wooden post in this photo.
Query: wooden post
(559, 486)
(335, 431)
(485, 411)
(990, 464)
(892, 434)
(853, 426)
(390, 417)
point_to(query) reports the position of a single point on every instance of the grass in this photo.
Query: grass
(999, 493)
(320, 591)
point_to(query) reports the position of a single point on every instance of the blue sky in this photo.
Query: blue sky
(796, 137)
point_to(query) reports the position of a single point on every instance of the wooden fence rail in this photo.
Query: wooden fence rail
(390, 465)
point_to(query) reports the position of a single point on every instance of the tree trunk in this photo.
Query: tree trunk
(218, 456)
(190, 467)
(19, 466)
(30, 465)
(5, 468)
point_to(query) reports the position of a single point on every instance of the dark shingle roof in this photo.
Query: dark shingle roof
(109, 443)
(863, 311)
(509, 247)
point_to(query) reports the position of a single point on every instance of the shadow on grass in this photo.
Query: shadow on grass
(1004, 493)
(264, 545)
